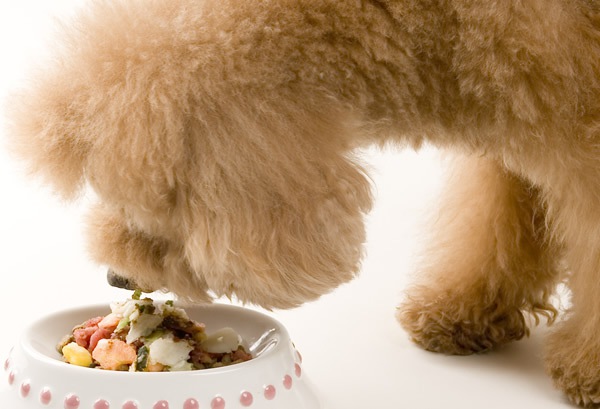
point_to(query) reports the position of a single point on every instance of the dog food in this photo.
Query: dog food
(140, 335)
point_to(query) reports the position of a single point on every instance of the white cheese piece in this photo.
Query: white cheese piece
(169, 352)
(142, 326)
(222, 341)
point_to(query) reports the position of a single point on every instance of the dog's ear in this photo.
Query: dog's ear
(47, 129)
(98, 110)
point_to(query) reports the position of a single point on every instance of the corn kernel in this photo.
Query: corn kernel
(77, 355)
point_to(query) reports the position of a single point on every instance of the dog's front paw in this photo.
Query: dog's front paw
(573, 362)
(452, 325)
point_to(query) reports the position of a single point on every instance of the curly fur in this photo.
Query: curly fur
(219, 138)
(489, 260)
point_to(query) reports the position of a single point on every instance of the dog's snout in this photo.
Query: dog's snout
(118, 281)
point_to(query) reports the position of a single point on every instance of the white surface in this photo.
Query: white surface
(352, 346)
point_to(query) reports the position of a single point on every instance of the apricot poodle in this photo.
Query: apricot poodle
(219, 138)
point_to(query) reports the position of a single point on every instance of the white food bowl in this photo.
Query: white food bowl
(35, 377)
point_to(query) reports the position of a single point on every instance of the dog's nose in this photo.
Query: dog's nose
(118, 281)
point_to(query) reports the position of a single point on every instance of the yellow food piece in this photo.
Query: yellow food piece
(156, 367)
(77, 355)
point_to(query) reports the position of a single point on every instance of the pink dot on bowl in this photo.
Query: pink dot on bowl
(217, 403)
(6, 364)
(130, 405)
(72, 402)
(101, 404)
(11, 378)
(246, 398)
(298, 370)
(270, 392)
(191, 404)
(45, 396)
(287, 382)
(25, 389)
(163, 404)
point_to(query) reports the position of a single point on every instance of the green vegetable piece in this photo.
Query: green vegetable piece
(169, 303)
(146, 308)
(122, 324)
(136, 294)
(154, 336)
(67, 339)
(142, 358)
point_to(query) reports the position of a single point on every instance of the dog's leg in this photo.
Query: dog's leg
(488, 263)
(572, 352)
(223, 132)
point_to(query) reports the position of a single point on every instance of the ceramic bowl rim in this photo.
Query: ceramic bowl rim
(28, 336)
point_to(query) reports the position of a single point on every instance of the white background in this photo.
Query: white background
(354, 350)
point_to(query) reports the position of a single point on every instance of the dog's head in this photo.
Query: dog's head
(205, 186)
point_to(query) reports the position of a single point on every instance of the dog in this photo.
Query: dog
(220, 139)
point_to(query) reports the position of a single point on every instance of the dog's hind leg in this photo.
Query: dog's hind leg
(572, 353)
(488, 262)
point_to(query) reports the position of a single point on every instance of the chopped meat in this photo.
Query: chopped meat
(139, 335)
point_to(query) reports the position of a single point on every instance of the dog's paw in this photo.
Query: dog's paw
(451, 326)
(573, 363)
